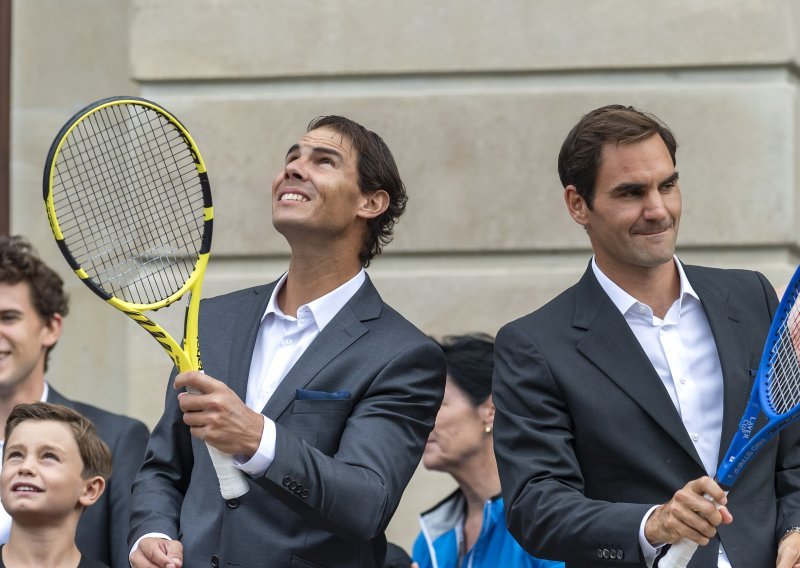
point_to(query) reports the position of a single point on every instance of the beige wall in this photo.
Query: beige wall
(474, 98)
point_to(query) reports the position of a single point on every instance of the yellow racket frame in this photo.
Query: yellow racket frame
(188, 357)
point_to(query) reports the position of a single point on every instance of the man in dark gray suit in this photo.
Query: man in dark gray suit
(323, 392)
(32, 307)
(616, 400)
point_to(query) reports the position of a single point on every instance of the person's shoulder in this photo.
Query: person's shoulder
(238, 295)
(728, 279)
(547, 315)
(105, 421)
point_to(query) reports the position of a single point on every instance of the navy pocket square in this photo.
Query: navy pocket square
(321, 395)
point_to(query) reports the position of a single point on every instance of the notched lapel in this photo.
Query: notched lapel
(342, 331)
(725, 322)
(249, 309)
(608, 335)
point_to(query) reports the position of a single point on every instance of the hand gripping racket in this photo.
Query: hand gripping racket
(129, 203)
(776, 393)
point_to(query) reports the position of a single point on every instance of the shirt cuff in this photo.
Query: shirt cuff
(257, 465)
(649, 551)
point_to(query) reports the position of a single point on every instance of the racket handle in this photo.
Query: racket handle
(679, 554)
(232, 482)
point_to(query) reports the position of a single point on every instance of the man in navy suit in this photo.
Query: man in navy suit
(323, 393)
(32, 307)
(616, 400)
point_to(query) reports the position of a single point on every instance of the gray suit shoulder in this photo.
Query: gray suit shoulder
(109, 425)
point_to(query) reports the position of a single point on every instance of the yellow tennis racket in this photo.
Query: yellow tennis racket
(129, 203)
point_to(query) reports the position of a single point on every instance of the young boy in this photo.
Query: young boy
(54, 466)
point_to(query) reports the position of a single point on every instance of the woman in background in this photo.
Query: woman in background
(468, 528)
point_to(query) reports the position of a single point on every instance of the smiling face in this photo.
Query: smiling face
(24, 340)
(634, 218)
(316, 195)
(41, 478)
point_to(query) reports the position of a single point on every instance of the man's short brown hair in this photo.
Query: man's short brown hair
(581, 152)
(95, 455)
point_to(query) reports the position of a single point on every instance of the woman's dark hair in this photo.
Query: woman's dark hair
(470, 363)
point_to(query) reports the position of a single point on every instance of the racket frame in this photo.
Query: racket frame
(184, 359)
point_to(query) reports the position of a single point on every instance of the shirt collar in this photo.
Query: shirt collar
(323, 309)
(624, 301)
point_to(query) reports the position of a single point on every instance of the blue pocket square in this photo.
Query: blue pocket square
(322, 395)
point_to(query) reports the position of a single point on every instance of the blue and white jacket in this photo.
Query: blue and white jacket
(438, 544)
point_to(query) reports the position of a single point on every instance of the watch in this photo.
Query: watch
(789, 531)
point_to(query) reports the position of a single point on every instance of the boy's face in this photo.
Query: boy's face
(41, 476)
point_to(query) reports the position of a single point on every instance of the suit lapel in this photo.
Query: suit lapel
(724, 320)
(344, 329)
(251, 309)
(610, 345)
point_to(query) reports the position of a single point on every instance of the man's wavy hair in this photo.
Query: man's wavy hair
(19, 263)
(376, 170)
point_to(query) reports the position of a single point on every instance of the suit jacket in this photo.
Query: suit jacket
(587, 438)
(103, 527)
(341, 460)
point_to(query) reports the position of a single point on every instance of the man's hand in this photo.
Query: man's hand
(689, 514)
(157, 553)
(218, 416)
(789, 551)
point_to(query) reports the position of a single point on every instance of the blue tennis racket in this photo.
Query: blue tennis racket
(776, 394)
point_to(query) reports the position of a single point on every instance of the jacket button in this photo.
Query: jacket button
(305, 493)
(599, 552)
(606, 553)
(620, 554)
(232, 503)
(287, 480)
(215, 561)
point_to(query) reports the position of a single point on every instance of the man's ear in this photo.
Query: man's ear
(576, 205)
(374, 204)
(52, 331)
(92, 490)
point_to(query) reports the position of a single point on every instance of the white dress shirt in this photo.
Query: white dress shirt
(682, 350)
(281, 340)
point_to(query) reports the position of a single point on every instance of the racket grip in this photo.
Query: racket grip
(679, 554)
(232, 482)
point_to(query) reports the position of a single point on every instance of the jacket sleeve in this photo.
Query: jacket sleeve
(354, 491)
(543, 487)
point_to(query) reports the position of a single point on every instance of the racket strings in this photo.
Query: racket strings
(129, 202)
(783, 384)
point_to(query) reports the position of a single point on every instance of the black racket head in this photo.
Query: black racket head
(129, 202)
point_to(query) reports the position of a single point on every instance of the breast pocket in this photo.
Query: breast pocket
(321, 422)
